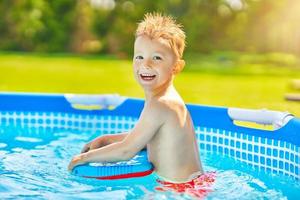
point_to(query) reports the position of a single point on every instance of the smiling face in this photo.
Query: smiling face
(153, 62)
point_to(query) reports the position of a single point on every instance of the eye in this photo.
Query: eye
(139, 57)
(157, 58)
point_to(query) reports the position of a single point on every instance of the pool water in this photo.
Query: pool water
(33, 165)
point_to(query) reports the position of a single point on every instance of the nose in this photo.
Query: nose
(147, 64)
(147, 67)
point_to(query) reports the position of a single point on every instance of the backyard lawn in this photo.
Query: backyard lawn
(220, 79)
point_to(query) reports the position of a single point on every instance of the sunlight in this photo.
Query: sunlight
(103, 4)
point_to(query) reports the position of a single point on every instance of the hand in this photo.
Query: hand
(76, 160)
(95, 144)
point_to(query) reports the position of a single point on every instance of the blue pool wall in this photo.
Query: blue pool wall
(277, 151)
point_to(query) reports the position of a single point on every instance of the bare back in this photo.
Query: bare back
(173, 149)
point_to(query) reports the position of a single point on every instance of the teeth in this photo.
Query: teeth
(147, 75)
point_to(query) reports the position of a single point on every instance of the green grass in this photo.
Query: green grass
(223, 79)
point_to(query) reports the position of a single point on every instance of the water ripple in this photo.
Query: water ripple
(41, 172)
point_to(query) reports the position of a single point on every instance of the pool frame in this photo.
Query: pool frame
(276, 151)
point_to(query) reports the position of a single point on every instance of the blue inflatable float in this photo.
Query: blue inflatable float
(136, 167)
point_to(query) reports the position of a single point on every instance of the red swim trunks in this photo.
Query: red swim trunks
(199, 187)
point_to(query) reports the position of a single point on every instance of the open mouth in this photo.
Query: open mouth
(147, 77)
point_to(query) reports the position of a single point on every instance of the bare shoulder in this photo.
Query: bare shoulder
(165, 109)
(172, 105)
(162, 107)
(175, 111)
(157, 106)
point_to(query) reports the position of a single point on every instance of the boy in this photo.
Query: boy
(165, 125)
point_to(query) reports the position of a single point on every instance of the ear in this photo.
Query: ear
(178, 66)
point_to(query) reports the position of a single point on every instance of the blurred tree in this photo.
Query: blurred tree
(83, 40)
(36, 25)
(107, 26)
(59, 19)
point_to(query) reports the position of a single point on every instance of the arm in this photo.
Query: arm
(149, 123)
(103, 140)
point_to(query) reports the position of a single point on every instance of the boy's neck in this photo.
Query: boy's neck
(160, 91)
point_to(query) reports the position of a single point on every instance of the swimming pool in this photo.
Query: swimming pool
(39, 133)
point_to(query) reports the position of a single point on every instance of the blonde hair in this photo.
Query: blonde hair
(156, 25)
